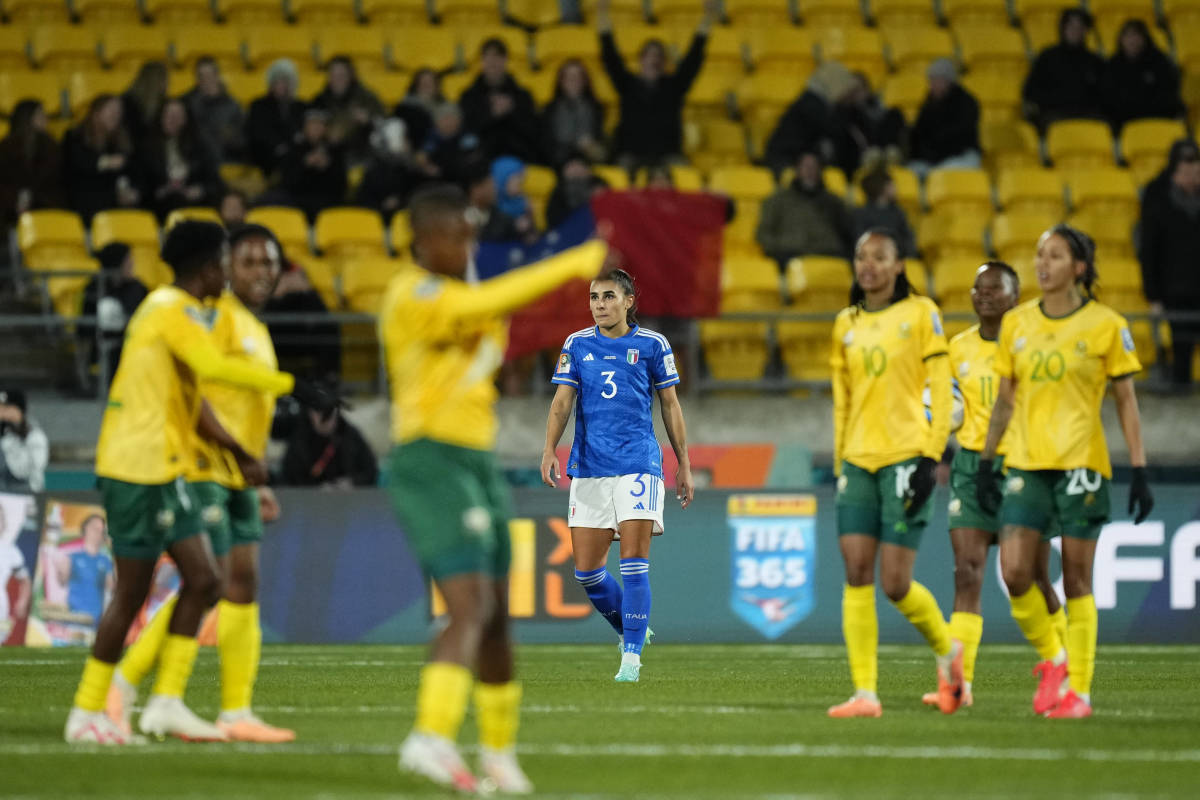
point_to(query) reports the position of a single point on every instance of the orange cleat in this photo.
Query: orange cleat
(857, 706)
(1072, 706)
(1050, 684)
(249, 728)
(931, 698)
(950, 680)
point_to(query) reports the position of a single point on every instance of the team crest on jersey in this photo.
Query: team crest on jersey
(964, 369)
(1127, 340)
(564, 364)
(905, 330)
(631, 355)
(204, 316)
(1019, 344)
(937, 323)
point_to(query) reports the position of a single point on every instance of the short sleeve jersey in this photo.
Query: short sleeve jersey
(88, 575)
(972, 359)
(1062, 367)
(616, 379)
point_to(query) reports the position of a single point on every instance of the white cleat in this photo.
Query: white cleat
(168, 716)
(122, 697)
(437, 759)
(94, 727)
(500, 769)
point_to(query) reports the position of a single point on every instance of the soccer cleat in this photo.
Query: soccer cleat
(1072, 706)
(244, 726)
(628, 673)
(857, 706)
(950, 680)
(122, 696)
(500, 768)
(168, 716)
(438, 760)
(1050, 685)
(94, 727)
(931, 698)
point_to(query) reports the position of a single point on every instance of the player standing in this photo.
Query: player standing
(617, 490)
(145, 450)
(887, 347)
(229, 506)
(1056, 357)
(444, 339)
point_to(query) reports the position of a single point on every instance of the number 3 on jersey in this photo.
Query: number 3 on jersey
(610, 387)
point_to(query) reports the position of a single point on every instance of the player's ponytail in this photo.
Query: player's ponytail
(623, 279)
(1083, 248)
(902, 289)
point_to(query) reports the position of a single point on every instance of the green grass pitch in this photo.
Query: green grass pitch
(705, 722)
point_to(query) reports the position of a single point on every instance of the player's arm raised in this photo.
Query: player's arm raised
(556, 423)
(672, 417)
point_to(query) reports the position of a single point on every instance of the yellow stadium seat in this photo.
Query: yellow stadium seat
(763, 97)
(1107, 190)
(366, 46)
(346, 233)
(742, 183)
(127, 46)
(107, 12)
(534, 13)
(265, 43)
(51, 238)
(413, 48)
(288, 225)
(745, 14)
(200, 213)
(859, 49)
(953, 278)
(999, 96)
(738, 235)
(14, 48)
(251, 13)
(84, 87)
(25, 13)
(1187, 47)
(539, 181)
(834, 180)
(918, 275)
(941, 236)
(1120, 283)
(323, 13)
(1014, 236)
(1145, 144)
(462, 13)
(894, 15)
(616, 177)
(455, 83)
(388, 85)
(1110, 15)
(1041, 13)
(1079, 144)
(915, 48)
(176, 13)
(734, 350)
(788, 51)
(710, 95)
(364, 281)
(623, 12)
(959, 191)
(982, 13)
(749, 283)
(830, 15)
(687, 179)
(906, 91)
(400, 234)
(1033, 191)
(63, 48)
(395, 13)
(139, 230)
(555, 45)
(721, 142)
(678, 13)
(16, 86)
(220, 42)
(471, 39)
(1181, 13)
(805, 348)
(725, 53)
(819, 283)
(1009, 145)
(1113, 233)
(987, 48)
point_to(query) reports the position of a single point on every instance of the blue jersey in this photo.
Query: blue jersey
(88, 575)
(616, 380)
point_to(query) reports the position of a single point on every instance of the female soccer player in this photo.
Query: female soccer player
(887, 346)
(973, 531)
(1055, 358)
(616, 464)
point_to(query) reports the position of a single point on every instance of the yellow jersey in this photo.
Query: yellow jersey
(882, 361)
(444, 339)
(971, 363)
(148, 432)
(245, 413)
(1061, 367)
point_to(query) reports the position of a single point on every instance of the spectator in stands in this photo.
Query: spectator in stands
(352, 108)
(874, 133)
(1169, 242)
(882, 211)
(30, 164)
(24, 449)
(416, 109)
(275, 118)
(329, 452)
(390, 175)
(1064, 82)
(499, 109)
(1139, 79)
(449, 147)
(659, 177)
(218, 117)
(311, 346)
(513, 213)
(813, 123)
(576, 185)
(491, 224)
(143, 101)
(573, 121)
(650, 130)
(314, 169)
(946, 133)
(111, 298)
(98, 161)
(232, 208)
(178, 168)
(804, 218)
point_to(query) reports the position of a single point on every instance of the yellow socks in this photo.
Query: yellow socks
(93, 686)
(239, 644)
(1029, 611)
(140, 658)
(860, 627)
(1082, 626)
(919, 607)
(498, 710)
(968, 629)
(1059, 620)
(442, 699)
(175, 667)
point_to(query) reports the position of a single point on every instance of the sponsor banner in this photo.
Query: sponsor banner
(773, 544)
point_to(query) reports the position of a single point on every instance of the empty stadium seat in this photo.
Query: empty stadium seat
(1031, 191)
(288, 225)
(107, 12)
(819, 283)
(1181, 13)
(758, 13)
(221, 42)
(914, 48)
(1015, 235)
(16, 86)
(139, 230)
(14, 48)
(942, 236)
(954, 277)
(251, 13)
(677, 13)
(462, 13)
(127, 46)
(722, 142)
(366, 46)
(906, 91)
(959, 191)
(1120, 284)
(1079, 144)
(859, 49)
(63, 48)
(987, 48)
(979, 13)
(1110, 15)
(917, 275)
(998, 94)
(200, 213)
(687, 179)
(1145, 144)
(623, 12)
(781, 50)
(830, 15)
(400, 234)
(84, 87)
(174, 13)
(893, 15)
(265, 43)
(53, 242)
(805, 348)
(1108, 190)
(346, 233)
(742, 182)
(616, 177)
(413, 48)
(764, 95)
(734, 350)
(555, 45)
(323, 13)
(364, 281)
(725, 52)
(749, 283)
(26, 13)
(1009, 145)
(1113, 233)
(1039, 19)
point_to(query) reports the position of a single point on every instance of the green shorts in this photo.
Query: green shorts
(453, 504)
(1074, 502)
(873, 503)
(964, 507)
(144, 520)
(230, 516)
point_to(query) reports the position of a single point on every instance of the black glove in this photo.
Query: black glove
(987, 486)
(920, 486)
(317, 396)
(1140, 496)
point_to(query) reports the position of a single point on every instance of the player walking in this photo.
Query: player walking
(1055, 358)
(444, 340)
(614, 369)
(887, 347)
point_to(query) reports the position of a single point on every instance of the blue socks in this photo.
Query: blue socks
(635, 603)
(605, 593)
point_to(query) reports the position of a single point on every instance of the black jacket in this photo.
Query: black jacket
(312, 188)
(90, 189)
(1170, 240)
(651, 124)
(514, 134)
(947, 127)
(39, 173)
(1148, 87)
(384, 178)
(1064, 83)
(808, 125)
(312, 459)
(203, 170)
(270, 127)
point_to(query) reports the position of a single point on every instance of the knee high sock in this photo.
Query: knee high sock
(442, 699)
(93, 685)
(860, 627)
(142, 655)
(498, 713)
(176, 660)
(919, 607)
(239, 644)
(635, 602)
(968, 629)
(1059, 620)
(605, 593)
(1082, 628)
(1029, 611)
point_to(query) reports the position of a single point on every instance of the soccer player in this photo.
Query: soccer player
(444, 340)
(1055, 358)
(614, 369)
(973, 531)
(146, 447)
(887, 347)
(230, 507)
